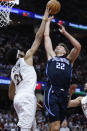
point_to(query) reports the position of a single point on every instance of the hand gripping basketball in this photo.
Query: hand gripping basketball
(54, 6)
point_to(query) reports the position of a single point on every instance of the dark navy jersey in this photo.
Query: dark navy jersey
(59, 70)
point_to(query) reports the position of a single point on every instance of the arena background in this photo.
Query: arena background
(20, 33)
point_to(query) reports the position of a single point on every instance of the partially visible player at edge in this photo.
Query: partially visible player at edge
(59, 68)
(24, 79)
(79, 101)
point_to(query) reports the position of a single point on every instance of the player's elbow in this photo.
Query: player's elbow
(79, 47)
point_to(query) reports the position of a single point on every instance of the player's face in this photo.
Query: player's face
(20, 54)
(60, 50)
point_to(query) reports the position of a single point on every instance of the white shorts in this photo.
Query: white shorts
(25, 106)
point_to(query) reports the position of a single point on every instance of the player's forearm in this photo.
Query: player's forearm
(47, 39)
(11, 93)
(47, 29)
(73, 41)
(11, 97)
(40, 32)
(73, 103)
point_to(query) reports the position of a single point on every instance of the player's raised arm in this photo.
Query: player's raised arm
(77, 47)
(47, 40)
(11, 91)
(38, 36)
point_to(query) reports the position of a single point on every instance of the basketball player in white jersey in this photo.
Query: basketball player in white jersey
(80, 101)
(23, 80)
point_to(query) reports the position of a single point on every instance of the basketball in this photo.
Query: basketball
(54, 6)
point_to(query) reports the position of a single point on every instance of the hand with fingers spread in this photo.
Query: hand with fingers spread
(62, 29)
(47, 8)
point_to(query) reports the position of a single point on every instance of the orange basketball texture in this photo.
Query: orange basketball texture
(55, 6)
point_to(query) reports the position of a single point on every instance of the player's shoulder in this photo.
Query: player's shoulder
(81, 97)
(16, 65)
(84, 98)
(19, 61)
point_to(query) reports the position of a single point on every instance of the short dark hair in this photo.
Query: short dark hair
(66, 49)
(11, 56)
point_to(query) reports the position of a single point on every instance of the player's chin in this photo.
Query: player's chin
(56, 51)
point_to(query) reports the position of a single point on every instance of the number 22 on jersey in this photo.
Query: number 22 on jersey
(60, 66)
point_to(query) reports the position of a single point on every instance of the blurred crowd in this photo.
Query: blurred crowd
(8, 121)
(22, 38)
(75, 122)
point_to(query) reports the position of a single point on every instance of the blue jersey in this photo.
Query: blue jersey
(59, 70)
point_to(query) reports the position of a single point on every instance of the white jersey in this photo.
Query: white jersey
(24, 77)
(84, 105)
(64, 129)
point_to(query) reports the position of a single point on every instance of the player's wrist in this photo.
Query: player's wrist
(45, 19)
(65, 32)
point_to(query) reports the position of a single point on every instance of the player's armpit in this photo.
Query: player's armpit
(28, 54)
(74, 103)
(11, 92)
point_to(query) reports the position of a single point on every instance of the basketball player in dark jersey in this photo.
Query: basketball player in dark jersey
(59, 70)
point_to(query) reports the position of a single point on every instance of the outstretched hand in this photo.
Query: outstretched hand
(46, 14)
(62, 28)
(50, 18)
